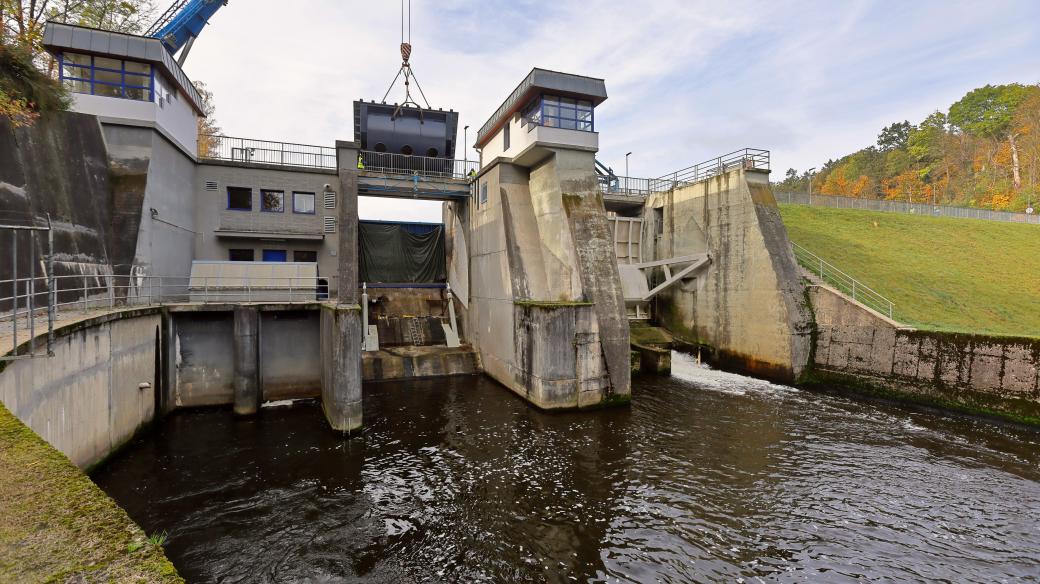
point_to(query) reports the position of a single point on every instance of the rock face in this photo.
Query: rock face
(748, 305)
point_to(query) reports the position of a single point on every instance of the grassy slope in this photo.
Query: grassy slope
(941, 273)
(58, 526)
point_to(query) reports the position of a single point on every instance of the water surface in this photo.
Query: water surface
(707, 476)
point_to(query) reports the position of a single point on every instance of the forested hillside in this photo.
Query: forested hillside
(983, 152)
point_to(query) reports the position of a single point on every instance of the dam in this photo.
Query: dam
(205, 325)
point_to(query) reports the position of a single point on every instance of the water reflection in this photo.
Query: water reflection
(707, 476)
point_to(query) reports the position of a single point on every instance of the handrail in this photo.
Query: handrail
(843, 282)
(427, 166)
(747, 158)
(249, 150)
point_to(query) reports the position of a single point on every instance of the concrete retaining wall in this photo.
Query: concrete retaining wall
(203, 359)
(748, 305)
(290, 355)
(87, 399)
(974, 372)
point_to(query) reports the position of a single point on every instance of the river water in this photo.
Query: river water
(707, 476)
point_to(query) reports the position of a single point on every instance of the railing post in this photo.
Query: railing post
(14, 285)
(32, 292)
(84, 293)
(853, 288)
(52, 287)
(821, 267)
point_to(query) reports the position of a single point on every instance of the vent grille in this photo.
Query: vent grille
(330, 224)
(330, 200)
(211, 185)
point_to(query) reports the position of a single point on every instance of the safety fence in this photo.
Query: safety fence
(426, 166)
(904, 207)
(745, 158)
(215, 147)
(28, 300)
(843, 282)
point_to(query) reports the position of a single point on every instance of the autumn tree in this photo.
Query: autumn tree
(988, 112)
(206, 124)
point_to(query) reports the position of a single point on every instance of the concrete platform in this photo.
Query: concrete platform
(395, 363)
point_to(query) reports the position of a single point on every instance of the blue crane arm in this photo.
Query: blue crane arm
(188, 23)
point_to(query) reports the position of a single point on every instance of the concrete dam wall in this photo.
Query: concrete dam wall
(748, 306)
(855, 346)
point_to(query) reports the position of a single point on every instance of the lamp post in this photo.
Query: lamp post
(626, 171)
(465, 150)
(809, 172)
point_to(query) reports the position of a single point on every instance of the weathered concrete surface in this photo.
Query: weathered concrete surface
(979, 373)
(58, 526)
(341, 366)
(545, 301)
(203, 360)
(246, 351)
(748, 305)
(95, 392)
(290, 354)
(418, 362)
(59, 167)
(346, 157)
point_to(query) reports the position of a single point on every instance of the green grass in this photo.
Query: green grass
(941, 273)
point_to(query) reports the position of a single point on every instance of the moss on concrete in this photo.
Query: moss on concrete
(550, 304)
(58, 526)
(974, 403)
(650, 336)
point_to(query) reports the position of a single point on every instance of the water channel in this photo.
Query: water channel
(708, 476)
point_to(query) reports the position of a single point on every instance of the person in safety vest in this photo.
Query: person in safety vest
(360, 163)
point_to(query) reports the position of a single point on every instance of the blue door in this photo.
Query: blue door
(274, 255)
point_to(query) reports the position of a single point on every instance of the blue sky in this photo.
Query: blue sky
(687, 79)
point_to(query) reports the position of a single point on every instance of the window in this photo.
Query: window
(274, 255)
(505, 137)
(303, 203)
(106, 76)
(560, 112)
(240, 255)
(483, 193)
(304, 256)
(239, 199)
(272, 201)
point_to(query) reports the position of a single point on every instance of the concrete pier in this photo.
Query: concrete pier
(247, 381)
(341, 366)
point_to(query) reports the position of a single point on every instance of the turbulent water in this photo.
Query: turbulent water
(708, 476)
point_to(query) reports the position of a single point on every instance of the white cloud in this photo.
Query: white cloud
(688, 79)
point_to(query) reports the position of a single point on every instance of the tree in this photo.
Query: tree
(25, 92)
(22, 21)
(894, 136)
(988, 112)
(206, 124)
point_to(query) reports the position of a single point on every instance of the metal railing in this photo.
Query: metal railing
(248, 150)
(905, 207)
(30, 289)
(54, 297)
(746, 158)
(843, 282)
(426, 166)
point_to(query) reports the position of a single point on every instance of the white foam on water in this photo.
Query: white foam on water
(281, 403)
(686, 368)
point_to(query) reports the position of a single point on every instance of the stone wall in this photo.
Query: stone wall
(747, 305)
(964, 371)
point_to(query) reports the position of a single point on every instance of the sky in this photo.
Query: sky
(687, 80)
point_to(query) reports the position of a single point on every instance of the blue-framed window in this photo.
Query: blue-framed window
(303, 203)
(560, 112)
(107, 76)
(240, 199)
(272, 201)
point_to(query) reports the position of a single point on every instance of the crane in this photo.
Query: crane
(181, 23)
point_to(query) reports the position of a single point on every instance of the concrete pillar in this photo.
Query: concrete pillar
(246, 343)
(341, 366)
(347, 157)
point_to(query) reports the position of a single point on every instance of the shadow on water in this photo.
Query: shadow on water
(707, 476)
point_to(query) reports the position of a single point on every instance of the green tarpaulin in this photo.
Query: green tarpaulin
(399, 253)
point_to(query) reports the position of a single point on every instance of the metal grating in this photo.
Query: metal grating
(330, 200)
(211, 185)
(330, 224)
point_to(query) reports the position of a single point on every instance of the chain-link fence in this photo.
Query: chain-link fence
(905, 207)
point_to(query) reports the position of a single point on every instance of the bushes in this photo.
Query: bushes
(26, 93)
